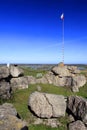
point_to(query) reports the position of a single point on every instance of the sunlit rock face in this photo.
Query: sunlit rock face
(47, 105)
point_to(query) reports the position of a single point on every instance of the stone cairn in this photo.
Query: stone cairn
(11, 78)
(62, 75)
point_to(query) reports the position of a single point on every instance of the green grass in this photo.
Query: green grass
(43, 127)
(20, 102)
(84, 72)
(82, 91)
(30, 71)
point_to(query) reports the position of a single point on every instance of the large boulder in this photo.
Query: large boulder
(9, 119)
(42, 80)
(77, 82)
(5, 90)
(77, 106)
(4, 72)
(73, 69)
(61, 71)
(57, 81)
(78, 125)
(31, 80)
(49, 77)
(47, 105)
(15, 71)
(63, 81)
(19, 83)
(6, 109)
(10, 122)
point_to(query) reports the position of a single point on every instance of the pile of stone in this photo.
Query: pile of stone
(11, 78)
(61, 75)
(9, 118)
(66, 76)
(48, 108)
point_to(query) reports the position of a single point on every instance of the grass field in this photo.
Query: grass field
(30, 71)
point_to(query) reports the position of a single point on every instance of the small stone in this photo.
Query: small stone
(78, 125)
(38, 88)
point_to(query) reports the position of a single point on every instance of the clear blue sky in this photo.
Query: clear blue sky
(31, 31)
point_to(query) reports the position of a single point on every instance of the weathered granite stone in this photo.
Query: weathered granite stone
(54, 123)
(5, 90)
(78, 125)
(77, 82)
(4, 72)
(47, 105)
(15, 71)
(9, 119)
(31, 80)
(42, 80)
(73, 69)
(61, 71)
(77, 106)
(19, 83)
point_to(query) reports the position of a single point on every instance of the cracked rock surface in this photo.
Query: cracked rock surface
(77, 106)
(9, 119)
(46, 105)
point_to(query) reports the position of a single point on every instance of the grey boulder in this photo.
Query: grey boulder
(78, 125)
(6, 109)
(19, 83)
(4, 72)
(77, 106)
(47, 105)
(5, 90)
(57, 81)
(61, 71)
(73, 69)
(31, 80)
(15, 71)
(9, 119)
(77, 82)
(42, 80)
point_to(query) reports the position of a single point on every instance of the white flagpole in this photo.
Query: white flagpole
(63, 40)
(62, 18)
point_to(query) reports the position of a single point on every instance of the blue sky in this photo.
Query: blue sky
(31, 31)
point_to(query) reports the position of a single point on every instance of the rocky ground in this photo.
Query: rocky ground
(47, 108)
(62, 76)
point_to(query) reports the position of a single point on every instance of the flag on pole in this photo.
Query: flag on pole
(62, 16)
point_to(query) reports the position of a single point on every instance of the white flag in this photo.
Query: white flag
(62, 16)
